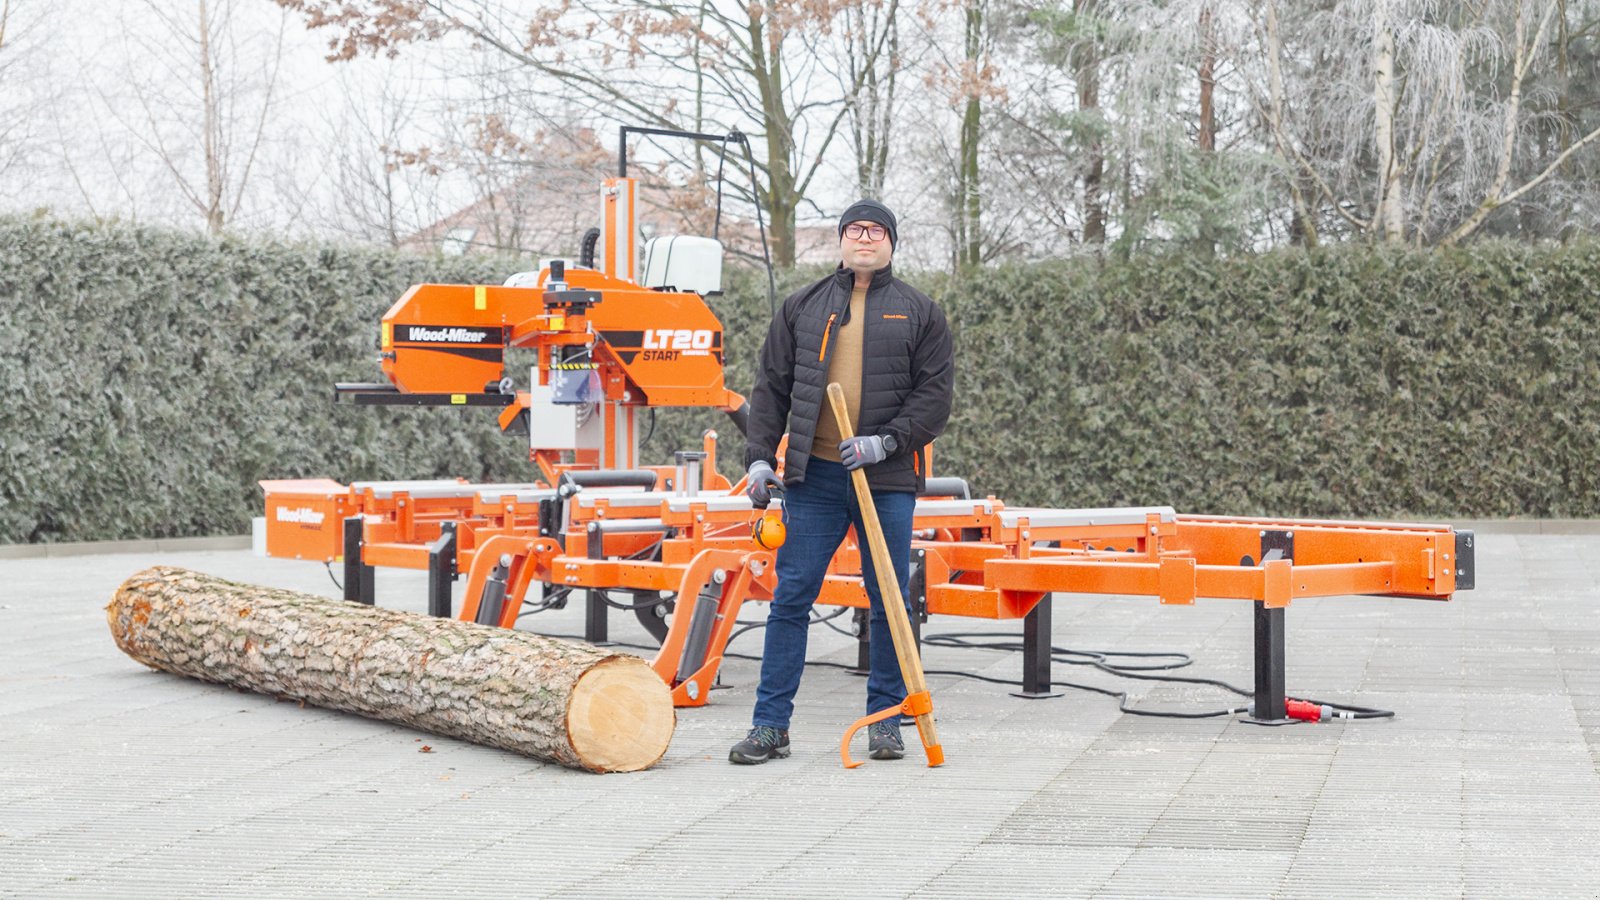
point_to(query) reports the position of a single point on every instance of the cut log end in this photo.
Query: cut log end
(620, 718)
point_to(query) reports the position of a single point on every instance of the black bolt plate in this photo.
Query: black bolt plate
(1277, 540)
(1466, 560)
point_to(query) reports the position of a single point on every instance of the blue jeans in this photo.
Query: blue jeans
(820, 510)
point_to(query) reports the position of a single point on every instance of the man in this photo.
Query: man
(888, 346)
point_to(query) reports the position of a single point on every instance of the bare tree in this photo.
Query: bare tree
(1410, 119)
(1500, 192)
(963, 84)
(197, 95)
(376, 196)
(977, 76)
(26, 85)
(872, 62)
(1085, 61)
(747, 66)
(1138, 105)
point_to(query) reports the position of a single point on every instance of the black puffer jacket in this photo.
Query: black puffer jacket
(907, 376)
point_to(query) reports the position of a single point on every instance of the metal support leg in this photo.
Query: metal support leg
(594, 614)
(863, 619)
(441, 571)
(1036, 652)
(594, 618)
(352, 558)
(917, 594)
(359, 579)
(1271, 679)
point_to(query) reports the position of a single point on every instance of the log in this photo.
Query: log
(550, 699)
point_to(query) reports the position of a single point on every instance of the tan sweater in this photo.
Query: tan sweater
(844, 366)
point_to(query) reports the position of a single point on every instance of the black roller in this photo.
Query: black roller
(571, 481)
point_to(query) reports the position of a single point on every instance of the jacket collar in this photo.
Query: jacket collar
(847, 278)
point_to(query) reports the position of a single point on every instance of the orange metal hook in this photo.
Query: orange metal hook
(918, 704)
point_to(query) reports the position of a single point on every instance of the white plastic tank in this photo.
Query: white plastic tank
(683, 263)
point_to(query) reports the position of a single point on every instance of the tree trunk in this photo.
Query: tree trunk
(969, 191)
(212, 126)
(1389, 217)
(558, 701)
(1207, 136)
(782, 201)
(1086, 69)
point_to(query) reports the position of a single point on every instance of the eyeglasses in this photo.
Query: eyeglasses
(857, 232)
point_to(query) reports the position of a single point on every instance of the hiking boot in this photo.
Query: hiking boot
(762, 743)
(883, 741)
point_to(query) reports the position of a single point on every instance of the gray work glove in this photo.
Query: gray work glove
(862, 451)
(762, 481)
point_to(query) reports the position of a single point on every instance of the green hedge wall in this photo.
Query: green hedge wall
(1351, 381)
(151, 378)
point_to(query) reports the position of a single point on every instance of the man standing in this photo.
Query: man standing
(888, 346)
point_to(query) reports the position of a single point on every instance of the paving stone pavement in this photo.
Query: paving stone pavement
(119, 781)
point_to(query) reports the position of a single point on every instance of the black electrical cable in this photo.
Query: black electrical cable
(828, 621)
(722, 160)
(553, 600)
(329, 566)
(1096, 659)
(630, 607)
(963, 639)
(748, 626)
(815, 620)
(755, 191)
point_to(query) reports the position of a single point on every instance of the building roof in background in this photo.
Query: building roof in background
(549, 199)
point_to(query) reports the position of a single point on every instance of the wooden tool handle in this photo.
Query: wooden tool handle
(905, 641)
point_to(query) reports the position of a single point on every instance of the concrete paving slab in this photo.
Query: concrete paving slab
(119, 781)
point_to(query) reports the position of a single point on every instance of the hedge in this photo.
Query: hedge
(1347, 382)
(153, 377)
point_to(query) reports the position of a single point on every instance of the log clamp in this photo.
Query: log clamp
(918, 704)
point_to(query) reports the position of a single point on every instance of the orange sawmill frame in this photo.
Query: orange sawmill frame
(679, 537)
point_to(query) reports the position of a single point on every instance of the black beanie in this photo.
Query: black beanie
(870, 211)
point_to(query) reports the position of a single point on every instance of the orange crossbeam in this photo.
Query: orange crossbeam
(1083, 576)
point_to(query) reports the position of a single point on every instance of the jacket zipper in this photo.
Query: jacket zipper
(826, 331)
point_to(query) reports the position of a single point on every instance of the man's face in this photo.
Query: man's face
(864, 254)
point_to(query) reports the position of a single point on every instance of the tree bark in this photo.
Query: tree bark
(211, 127)
(553, 700)
(969, 191)
(1389, 217)
(1207, 136)
(1086, 69)
(782, 198)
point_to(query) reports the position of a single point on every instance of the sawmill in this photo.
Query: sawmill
(622, 330)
